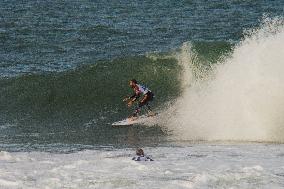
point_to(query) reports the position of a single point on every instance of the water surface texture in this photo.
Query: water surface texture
(216, 69)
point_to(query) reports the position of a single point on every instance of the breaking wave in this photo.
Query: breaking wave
(239, 98)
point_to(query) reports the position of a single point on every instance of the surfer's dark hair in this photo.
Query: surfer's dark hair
(134, 81)
(139, 152)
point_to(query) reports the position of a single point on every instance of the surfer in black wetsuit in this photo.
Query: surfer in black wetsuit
(140, 156)
(147, 97)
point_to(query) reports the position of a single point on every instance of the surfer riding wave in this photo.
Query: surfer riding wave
(138, 91)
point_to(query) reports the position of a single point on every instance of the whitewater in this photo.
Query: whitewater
(174, 166)
(241, 98)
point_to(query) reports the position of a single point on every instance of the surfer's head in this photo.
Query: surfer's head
(132, 83)
(139, 152)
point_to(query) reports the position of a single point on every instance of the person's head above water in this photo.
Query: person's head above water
(132, 82)
(139, 152)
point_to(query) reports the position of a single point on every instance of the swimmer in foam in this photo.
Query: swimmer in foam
(138, 91)
(140, 156)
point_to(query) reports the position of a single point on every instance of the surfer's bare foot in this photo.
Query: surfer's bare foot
(132, 118)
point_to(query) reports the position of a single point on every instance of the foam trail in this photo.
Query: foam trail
(243, 99)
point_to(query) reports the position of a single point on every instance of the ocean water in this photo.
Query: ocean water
(216, 69)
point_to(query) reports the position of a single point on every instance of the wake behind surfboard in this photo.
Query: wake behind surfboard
(128, 121)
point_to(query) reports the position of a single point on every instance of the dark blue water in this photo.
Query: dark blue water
(44, 36)
(65, 65)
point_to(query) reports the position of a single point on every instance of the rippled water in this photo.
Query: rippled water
(46, 36)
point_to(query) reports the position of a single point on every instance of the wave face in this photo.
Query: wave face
(77, 107)
(241, 98)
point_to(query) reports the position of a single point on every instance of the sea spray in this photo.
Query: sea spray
(242, 98)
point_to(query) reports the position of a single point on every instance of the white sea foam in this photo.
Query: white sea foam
(243, 97)
(198, 166)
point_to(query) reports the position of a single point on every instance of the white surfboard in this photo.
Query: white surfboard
(128, 121)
